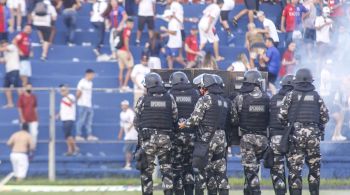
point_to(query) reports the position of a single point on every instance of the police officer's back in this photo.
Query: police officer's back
(209, 116)
(305, 110)
(156, 114)
(276, 132)
(250, 110)
(186, 98)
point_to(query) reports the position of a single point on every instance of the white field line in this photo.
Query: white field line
(39, 188)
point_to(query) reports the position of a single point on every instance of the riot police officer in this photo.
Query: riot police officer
(276, 131)
(186, 98)
(305, 110)
(156, 115)
(250, 110)
(209, 116)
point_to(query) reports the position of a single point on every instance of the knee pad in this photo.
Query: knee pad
(296, 183)
(279, 184)
(252, 180)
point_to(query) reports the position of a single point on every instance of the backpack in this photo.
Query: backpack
(118, 41)
(41, 9)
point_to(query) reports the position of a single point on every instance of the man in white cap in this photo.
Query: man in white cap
(127, 128)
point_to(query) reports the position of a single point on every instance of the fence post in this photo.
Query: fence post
(52, 139)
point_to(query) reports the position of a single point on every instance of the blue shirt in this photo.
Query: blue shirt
(274, 63)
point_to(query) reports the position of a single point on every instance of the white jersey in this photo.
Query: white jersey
(211, 11)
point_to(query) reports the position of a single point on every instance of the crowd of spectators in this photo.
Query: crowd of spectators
(306, 31)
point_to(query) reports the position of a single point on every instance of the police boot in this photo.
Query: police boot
(314, 192)
(295, 192)
(168, 192)
(246, 192)
(280, 192)
(212, 192)
(179, 192)
(199, 191)
(256, 192)
(145, 193)
(223, 192)
(188, 189)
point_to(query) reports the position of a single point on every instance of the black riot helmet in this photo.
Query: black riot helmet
(287, 80)
(152, 80)
(253, 77)
(303, 76)
(178, 78)
(219, 80)
(204, 80)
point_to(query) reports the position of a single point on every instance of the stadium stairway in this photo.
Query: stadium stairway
(105, 157)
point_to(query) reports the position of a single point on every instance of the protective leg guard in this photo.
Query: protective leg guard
(246, 192)
(145, 193)
(199, 191)
(168, 192)
(314, 188)
(212, 192)
(295, 191)
(179, 192)
(223, 192)
(188, 189)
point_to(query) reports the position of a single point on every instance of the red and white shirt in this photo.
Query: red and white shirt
(192, 43)
(23, 43)
(126, 35)
(67, 108)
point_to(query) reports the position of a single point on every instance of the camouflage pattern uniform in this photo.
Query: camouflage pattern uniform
(252, 146)
(214, 175)
(278, 172)
(156, 145)
(182, 162)
(305, 141)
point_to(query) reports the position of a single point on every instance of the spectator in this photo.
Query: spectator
(18, 10)
(125, 57)
(273, 60)
(254, 42)
(241, 65)
(127, 128)
(67, 116)
(138, 75)
(191, 47)
(43, 22)
(291, 19)
(269, 28)
(23, 43)
(340, 105)
(209, 62)
(12, 65)
(174, 42)
(207, 31)
(177, 10)
(146, 14)
(85, 108)
(288, 61)
(251, 6)
(21, 144)
(129, 6)
(154, 47)
(337, 9)
(70, 8)
(6, 25)
(117, 17)
(98, 21)
(28, 113)
(224, 14)
(323, 25)
(309, 26)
